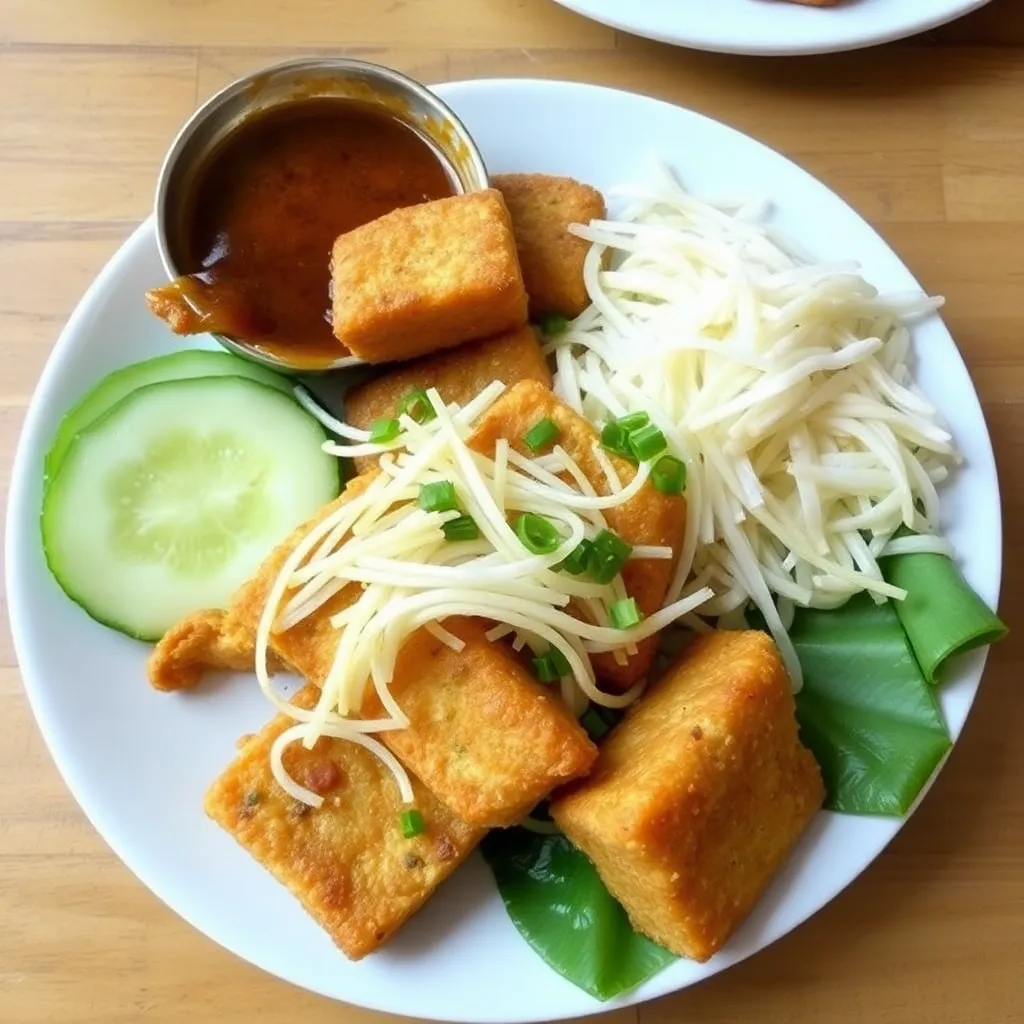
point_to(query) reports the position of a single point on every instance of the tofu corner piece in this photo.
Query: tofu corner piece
(648, 518)
(459, 374)
(699, 794)
(542, 207)
(427, 277)
(347, 861)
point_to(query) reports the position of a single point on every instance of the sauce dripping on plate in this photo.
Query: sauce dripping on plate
(266, 210)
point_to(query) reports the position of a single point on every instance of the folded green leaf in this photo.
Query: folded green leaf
(563, 910)
(865, 710)
(942, 616)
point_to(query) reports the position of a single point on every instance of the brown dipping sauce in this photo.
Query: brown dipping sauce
(267, 209)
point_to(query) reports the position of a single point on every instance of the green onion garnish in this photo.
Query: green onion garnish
(607, 556)
(634, 421)
(647, 441)
(539, 535)
(463, 528)
(615, 439)
(560, 661)
(411, 823)
(624, 613)
(438, 496)
(576, 561)
(596, 726)
(544, 666)
(541, 435)
(551, 666)
(669, 475)
(384, 430)
(553, 324)
(417, 406)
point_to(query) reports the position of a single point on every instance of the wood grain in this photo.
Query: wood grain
(925, 138)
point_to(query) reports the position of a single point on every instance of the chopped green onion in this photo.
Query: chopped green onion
(384, 430)
(615, 439)
(634, 421)
(669, 475)
(545, 668)
(597, 728)
(463, 528)
(553, 324)
(647, 441)
(539, 535)
(551, 666)
(607, 556)
(560, 661)
(541, 435)
(417, 405)
(624, 613)
(411, 823)
(576, 561)
(438, 496)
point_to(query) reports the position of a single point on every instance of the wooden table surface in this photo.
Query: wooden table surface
(925, 138)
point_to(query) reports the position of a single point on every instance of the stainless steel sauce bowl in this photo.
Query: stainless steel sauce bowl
(292, 82)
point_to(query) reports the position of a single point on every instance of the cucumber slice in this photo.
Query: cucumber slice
(172, 499)
(177, 365)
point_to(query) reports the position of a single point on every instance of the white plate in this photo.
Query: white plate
(772, 27)
(139, 761)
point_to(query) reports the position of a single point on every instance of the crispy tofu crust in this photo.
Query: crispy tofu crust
(649, 518)
(542, 207)
(488, 740)
(699, 794)
(198, 642)
(427, 277)
(459, 375)
(484, 736)
(347, 861)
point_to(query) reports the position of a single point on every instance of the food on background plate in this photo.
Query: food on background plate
(699, 794)
(266, 210)
(169, 500)
(458, 374)
(427, 277)
(360, 863)
(542, 208)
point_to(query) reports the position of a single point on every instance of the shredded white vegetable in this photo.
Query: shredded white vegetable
(402, 574)
(784, 386)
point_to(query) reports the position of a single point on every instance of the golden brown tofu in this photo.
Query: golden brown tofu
(427, 277)
(542, 207)
(649, 518)
(459, 375)
(347, 861)
(698, 795)
(484, 736)
(197, 643)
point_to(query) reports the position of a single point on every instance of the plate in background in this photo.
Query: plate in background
(773, 27)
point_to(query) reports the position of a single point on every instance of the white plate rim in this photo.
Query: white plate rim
(21, 487)
(655, 19)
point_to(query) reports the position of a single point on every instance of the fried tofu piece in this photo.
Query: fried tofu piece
(542, 207)
(484, 736)
(649, 518)
(459, 375)
(197, 643)
(699, 794)
(427, 277)
(347, 861)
